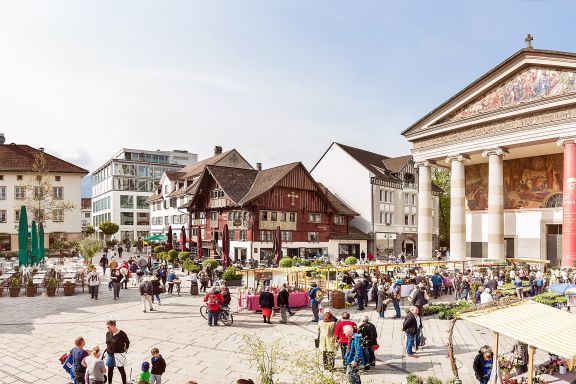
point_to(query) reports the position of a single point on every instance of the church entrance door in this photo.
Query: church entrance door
(554, 244)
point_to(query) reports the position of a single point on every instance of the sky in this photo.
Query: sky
(279, 80)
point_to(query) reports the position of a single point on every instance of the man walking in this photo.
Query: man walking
(103, 263)
(369, 340)
(360, 294)
(315, 295)
(354, 355)
(396, 296)
(410, 327)
(146, 291)
(436, 284)
(282, 301)
(420, 296)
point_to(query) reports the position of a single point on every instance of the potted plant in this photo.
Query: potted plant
(14, 287)
(232, 277)
(69, 288)
(51, 287)
(30, 288)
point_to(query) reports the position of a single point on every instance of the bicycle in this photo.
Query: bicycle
(224, 315)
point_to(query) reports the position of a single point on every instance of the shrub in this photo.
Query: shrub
(231, 273)
(414, 379)
(433, 380)
(445, 311)
(52, 283)
(350, 260)
(474, 286)
(191, 266)
(305, 263)
(159, 249)
(285, 262)
(210, 263)
(183, 256)
(172, 255)
(15, 283)
(550, 298)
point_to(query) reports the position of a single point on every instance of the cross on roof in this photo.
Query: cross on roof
(528, 41)
(293, 196)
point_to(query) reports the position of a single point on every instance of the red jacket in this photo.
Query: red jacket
(339, 330)
(214, 300)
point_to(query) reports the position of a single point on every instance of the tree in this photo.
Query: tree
(88, 248)
(441, 177)
(108, 228)
(46, 201)
(89, 231)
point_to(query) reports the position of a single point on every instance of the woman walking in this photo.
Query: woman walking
(117, 344)
(380, 305)
(116, 280)
(267, 304)
(327, 341)
(155, 289)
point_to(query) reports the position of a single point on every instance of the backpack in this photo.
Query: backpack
(319, 295)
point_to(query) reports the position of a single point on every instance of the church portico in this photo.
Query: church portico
(513, 178)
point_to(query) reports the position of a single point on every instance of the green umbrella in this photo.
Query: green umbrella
(23, 236)
(41, 250)
(34, 244)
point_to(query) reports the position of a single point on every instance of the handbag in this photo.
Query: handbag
(387, 301)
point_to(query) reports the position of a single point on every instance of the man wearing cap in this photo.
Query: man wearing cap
(332, 317)
(396, 295)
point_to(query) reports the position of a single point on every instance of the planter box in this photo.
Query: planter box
(14, 292)
(234, 283)
(51, 291)
(69, 290)
(30, 291)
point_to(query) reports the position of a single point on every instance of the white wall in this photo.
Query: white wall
(348, 180)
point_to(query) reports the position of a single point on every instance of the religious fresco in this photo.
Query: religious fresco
(531, 84)
(528, 182)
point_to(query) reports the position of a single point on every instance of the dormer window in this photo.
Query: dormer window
(217, 194)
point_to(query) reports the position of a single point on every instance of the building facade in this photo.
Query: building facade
(85, 212)
(383, 190)
(122, 186)
(175, 189)
(509, 138)
(254, 203)
(16, 173)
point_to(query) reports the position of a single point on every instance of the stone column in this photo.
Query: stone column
(424, 209)
(457, 206)
(569, 202)
(496, 202)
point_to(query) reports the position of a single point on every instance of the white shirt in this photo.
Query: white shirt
(485, 297)
(194, 277)
(93, 279)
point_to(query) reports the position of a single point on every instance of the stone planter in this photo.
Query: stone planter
(234, 283)
(31, 291)
(51, 291)
(69, 290)
(14, 292)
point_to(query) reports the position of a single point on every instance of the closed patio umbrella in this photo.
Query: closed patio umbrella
(157, 237)
(41, 250)
(199, 250)
(170, 239)
(23, 236)
(183, 238)
(34, 244)
(226, 262)
(277, 245)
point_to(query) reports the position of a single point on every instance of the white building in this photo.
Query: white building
(175, 189)
(121, 188)
(383, 190)
(16, 171)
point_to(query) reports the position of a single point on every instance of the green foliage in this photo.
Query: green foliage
(433, 380)
(172, 255)
(285, 262)
(159, 249)
(414, 379)
(183, 256)
(89, 230)
(210, 263)
(446, 311)
(474, 286)
(550, 298)
(191, 266)
(52, 283)
(265, 356)
(15, 283)
(108, 228)
(88, 247)
(441, 177)
(350, 260)
(231, 273)
(307, 368)
(60, 245)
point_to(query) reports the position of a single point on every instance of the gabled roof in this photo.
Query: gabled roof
(526, 54)
(235, 182)
(196, 169)
(177, 175)
(20, 157)
(353, 234)
(341, 207)
(373, 162)
(266, 180)
(395, 164)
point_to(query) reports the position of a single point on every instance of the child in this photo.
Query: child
(144, 376)
(158, 367)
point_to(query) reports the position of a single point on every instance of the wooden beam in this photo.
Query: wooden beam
(531, 351)
(495, 359)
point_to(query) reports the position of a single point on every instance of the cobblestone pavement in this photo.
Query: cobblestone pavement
(34, 332)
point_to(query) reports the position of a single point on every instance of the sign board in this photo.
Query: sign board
(385, 236)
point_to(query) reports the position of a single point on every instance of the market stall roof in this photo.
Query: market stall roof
(280, 269)
(535, 324)
(534, 261)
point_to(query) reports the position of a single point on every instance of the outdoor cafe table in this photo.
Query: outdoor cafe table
(295, 300)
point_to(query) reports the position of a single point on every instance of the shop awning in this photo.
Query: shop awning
(535, 324)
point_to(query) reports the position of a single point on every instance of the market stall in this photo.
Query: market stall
(537, 325)
(295, 300)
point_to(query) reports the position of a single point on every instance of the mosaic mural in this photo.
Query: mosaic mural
(528, 182)
(531, 84)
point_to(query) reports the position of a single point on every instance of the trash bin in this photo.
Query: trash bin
(194, 288)
(338, 301)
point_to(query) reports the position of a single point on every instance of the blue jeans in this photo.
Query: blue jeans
(353, 375)
(212, 317)
(396, 307)
(410, 341)
(464, 294)
(314, 310)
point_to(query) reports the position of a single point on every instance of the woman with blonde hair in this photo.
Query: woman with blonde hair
(95, 368)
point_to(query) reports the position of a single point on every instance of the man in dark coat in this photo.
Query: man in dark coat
(283, 303)
(410, 326)
(419, 299)
(369, 340)
(483, 363)
(360, 291)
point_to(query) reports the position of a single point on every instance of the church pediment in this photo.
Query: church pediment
(527, 81)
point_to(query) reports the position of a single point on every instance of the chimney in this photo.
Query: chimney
(217, 150)
(2, 138)
(259, 166)
(41, 149)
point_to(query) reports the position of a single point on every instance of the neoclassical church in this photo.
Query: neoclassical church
(510, 141)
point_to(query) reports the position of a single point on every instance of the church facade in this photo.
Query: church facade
(510, 141)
